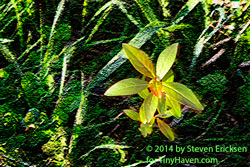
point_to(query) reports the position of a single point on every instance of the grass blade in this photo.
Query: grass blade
(64, 70)
(58, 13)
(190, 5)
(50, 45)
(10, 57)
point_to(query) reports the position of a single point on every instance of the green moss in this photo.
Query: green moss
(242, 105)
(56, 146)
(9, 122)
(68, 104)
(95, 113)
(33, 89)
(214, 84)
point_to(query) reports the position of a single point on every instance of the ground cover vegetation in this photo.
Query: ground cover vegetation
(59, 57)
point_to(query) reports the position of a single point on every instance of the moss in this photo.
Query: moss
(95, 113)
(33, 89)
(242, 106)
(68, 104)
(214, 84)
(9, 122)
(87, 139)
(57, 145)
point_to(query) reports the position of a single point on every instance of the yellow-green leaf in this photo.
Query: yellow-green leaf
(127, 87)
(142, 114)
(182, 94)
(132, 114)
(139, 60)
(150, 104)
(155, 88)
(144, 93)
(162, 105)
(169, 77)
(166, 60)
(145, 130)
(175, 107)
(165, 129)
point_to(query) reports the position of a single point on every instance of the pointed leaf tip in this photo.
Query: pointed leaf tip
(182, 94)
(166, 60)
(132, 114)
(165, 129)
(139, 60)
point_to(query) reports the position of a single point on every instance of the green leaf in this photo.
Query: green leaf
(139, 60)
(162, 105)
(144, 93)
(155, 88)
(165, 129)
(142, 114)
(175, 107)
(166, 60)
(143, 131)
(132, 114)
(169, 77)
(182, 94)
(128, 86)
(168, 107)
(150, 104)
(146, 129)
